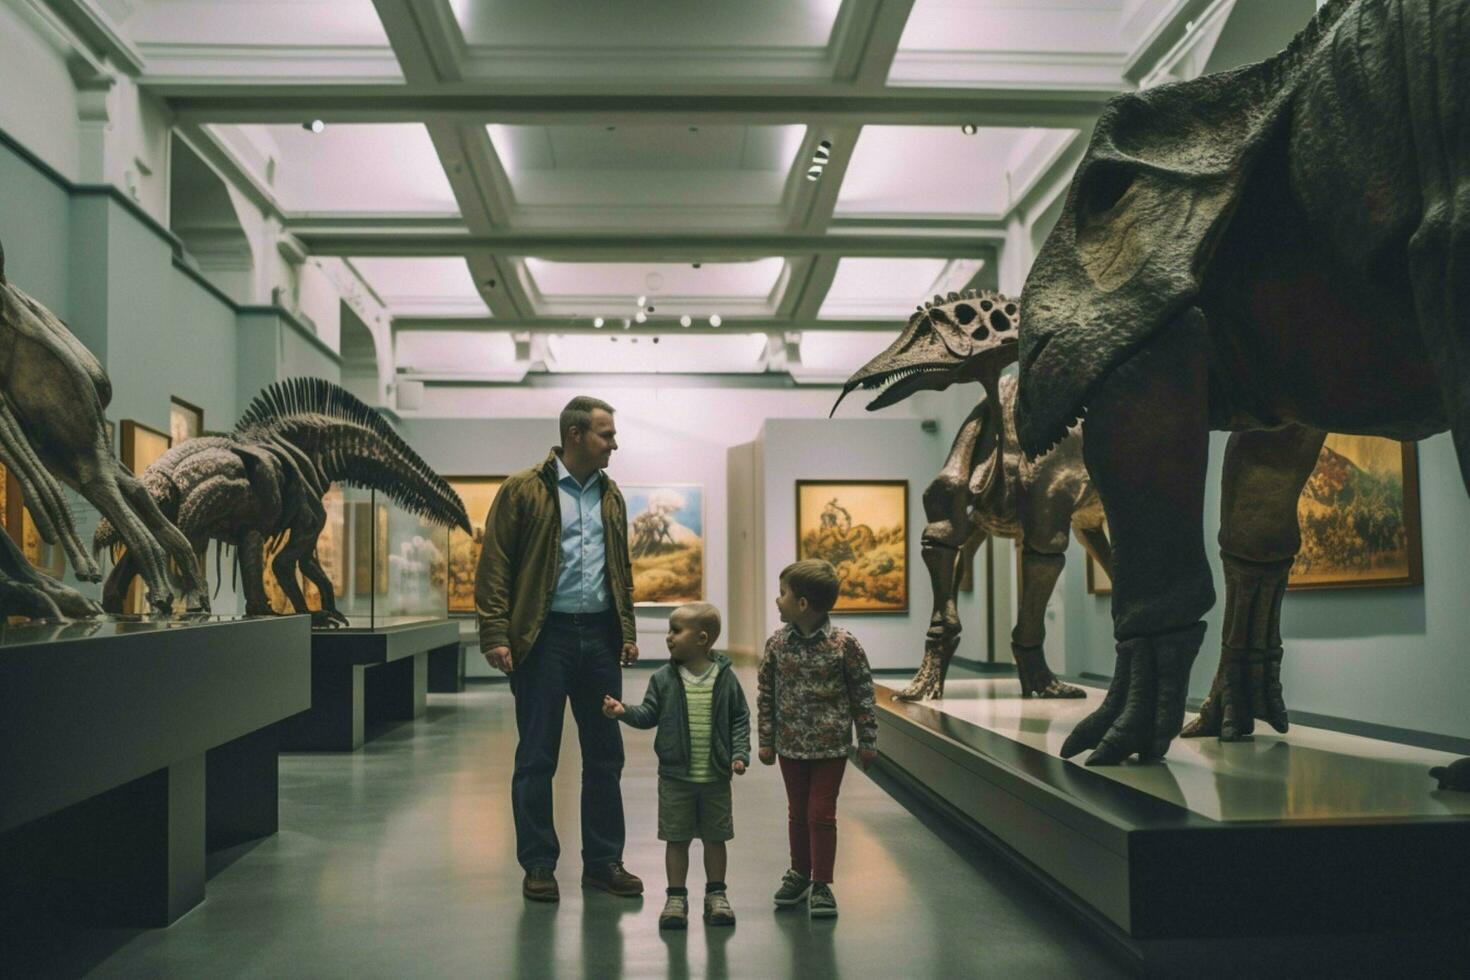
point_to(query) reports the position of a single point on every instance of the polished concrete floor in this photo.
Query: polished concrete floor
(1305, 774)
(399, 861)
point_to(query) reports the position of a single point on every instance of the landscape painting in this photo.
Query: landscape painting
(478, 493)
(1359, 516)
(666, 543)
(861, 527)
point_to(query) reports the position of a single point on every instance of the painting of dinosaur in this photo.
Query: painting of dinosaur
(265, 481)
(986, 486)
(1277, 251)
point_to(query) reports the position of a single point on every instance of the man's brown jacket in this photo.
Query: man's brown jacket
(520, 559)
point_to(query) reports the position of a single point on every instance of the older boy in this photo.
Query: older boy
(815, 686)
(703, 724)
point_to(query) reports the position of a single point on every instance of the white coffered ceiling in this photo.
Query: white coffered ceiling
(530, 165)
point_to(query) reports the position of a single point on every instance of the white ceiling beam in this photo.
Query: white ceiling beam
(425, 38)
(611, 247)
(662, 326)
(876, 48)
(473, 105)
(100, 33)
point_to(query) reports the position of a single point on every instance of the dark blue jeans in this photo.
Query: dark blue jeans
(575, 658)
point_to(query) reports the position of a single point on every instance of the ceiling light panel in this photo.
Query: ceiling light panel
(878, 288)
(646, 165)
(930, 170)
(288, 23)
(634, 353)
(661, 283)
(377, 168)
(453, 351)
(423, 286)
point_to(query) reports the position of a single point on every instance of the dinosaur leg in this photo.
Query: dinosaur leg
(115, 588)
(328, 615)
(1146, 442)
(1045, 504)
(1263, 476)
(169, 537)
(43, 493)
(24, 591)
(946, 505)
(1039, 573)
(105, 491)
(251, 549)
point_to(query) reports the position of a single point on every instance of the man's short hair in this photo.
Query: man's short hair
(704, 616)
(578, 414)
(814, 580)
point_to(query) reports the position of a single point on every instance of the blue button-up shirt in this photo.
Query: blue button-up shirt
(581, 583)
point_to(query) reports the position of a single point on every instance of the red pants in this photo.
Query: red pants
(811, 800)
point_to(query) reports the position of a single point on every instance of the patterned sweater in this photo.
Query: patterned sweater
(813, 690)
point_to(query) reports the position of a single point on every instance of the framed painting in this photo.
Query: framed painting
(48, 558)
(185, 420)
(1098, 582)
(142, 445)
(477, 493)
(666, 543)
(1359, 517)
(861, 527)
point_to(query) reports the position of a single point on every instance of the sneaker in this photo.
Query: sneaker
(717, 910)
(540, 886)
(821, 904)
(614, 879)
(794, 888)
(676, 913)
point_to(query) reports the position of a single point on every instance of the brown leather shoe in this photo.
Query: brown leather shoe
(540, 886)
(614, 879)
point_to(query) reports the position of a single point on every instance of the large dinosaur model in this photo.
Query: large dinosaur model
(986, 485)
(52, 432)
(266, 479)
(1279, 251)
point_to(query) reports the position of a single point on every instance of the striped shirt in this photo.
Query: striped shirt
(699, 696)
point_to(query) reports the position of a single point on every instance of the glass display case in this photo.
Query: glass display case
(387, 567)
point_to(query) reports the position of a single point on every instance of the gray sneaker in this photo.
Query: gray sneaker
(717, 910)
(675, 914)
(821, 904)
(794, 888)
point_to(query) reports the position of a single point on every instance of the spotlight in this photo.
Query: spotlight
(316, 125)
(627, 323)
(695, 265)
(969, 129)
(641, 317)
(824, 152)
(597, 322)
(814, 172)
(714, 319)
(685, 320)
(642, 300)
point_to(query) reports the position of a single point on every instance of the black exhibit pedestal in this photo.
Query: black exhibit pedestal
(362, 677)
(128, 749)
(1314, 853)
(446, 669)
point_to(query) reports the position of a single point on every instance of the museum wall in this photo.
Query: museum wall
(28, 64)
(850, 449)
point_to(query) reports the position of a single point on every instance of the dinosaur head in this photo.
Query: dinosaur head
(961, 337)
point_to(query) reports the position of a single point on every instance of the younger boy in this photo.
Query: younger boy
(703, 724)
(815, 686)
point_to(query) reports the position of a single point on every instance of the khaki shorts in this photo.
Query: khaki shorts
(694, 811)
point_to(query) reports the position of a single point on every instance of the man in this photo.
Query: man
(554, 597)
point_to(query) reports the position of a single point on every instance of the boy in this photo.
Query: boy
(815, 686)
(703, 724)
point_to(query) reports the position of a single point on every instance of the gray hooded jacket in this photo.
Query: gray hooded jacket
(664, 707)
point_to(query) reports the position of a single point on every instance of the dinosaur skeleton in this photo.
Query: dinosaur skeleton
(1278, 251)
(266, 479)
(986, 487)
(52, 432)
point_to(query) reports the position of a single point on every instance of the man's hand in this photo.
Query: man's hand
(500, 659)
(612, 707)
(767, 756)
(866, 757)
(737, 767)
(630, 654)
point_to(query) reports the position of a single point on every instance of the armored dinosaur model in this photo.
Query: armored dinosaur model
(266, 479)
(1278, 251)
(986, 485)
(52, 432)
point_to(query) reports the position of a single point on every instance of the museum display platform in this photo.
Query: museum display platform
(130, 747)
(361, 676)
(1312, 847)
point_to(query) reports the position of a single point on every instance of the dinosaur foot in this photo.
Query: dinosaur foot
(1144, 707)
(929, 681)
(42, 597)
(1454, 777)
(1037, 680)
(1247, 688)
(327, 619)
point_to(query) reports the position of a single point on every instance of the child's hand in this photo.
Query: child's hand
(737, 767)
(768, 756)
(612, 707)
(866, 757)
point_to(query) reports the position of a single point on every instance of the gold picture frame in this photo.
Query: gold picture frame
(477, 493)
(835, 520)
